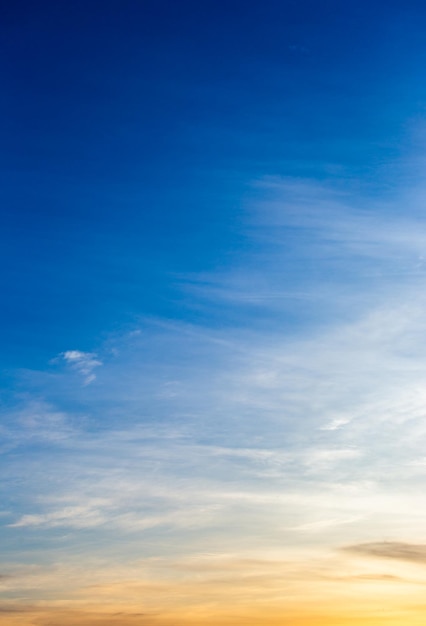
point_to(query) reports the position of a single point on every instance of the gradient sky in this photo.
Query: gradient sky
(213, 320)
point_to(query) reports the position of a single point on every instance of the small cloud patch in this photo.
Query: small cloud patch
(391, 550)
(82, 362)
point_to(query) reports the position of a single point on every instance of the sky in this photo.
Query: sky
(213, 328)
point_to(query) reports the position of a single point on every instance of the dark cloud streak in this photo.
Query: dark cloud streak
(415, 553)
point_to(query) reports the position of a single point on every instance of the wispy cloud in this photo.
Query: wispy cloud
(82, 362)
(313, 245)
(35, 421)
(80, 516)
(415, 553)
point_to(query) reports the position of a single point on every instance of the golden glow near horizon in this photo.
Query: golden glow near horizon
(218, 590)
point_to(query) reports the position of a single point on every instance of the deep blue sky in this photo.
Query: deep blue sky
(132, 131)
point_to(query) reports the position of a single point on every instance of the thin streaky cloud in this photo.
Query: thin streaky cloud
(412, 552)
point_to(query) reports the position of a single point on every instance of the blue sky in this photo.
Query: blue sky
(213, 359)
(132, 138)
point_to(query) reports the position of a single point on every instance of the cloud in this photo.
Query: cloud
(312, 245)
(391, 550)
(46, 616)
(78, 516)
(82, 362)
(34, 421)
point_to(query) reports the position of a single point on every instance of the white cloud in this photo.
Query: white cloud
(82, 362)
(79, 516)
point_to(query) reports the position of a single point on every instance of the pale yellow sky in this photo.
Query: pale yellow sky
(342, 588)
